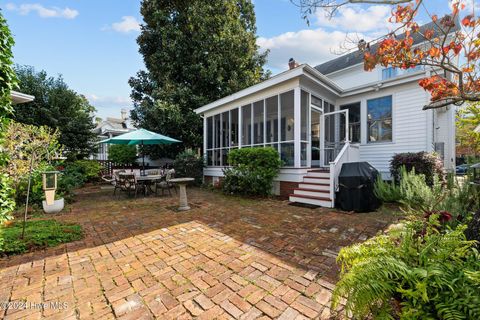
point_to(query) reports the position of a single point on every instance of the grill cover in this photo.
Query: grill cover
(356, 181)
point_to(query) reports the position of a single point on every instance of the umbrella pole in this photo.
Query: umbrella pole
(143, 158)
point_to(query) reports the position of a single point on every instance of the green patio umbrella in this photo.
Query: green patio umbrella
(141, 137)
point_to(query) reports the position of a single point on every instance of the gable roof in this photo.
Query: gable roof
(356, 57)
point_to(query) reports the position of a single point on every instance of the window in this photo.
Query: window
(379, 119)
(247, 125)
(353, 121)
(392, 72)
(258, 122)
(388, 73)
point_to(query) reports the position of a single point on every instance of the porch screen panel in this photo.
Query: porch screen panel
(317, 102)
(258, 122)
(234, 128)
(246, 125)
(217, 131)
(304, 114)
(225, 129)
(209, 133)
(272, 119)
(287, 128)
(287, 116)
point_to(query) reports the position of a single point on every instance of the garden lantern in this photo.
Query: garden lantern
(50, 185)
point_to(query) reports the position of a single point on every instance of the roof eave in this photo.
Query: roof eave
(18, 97)
(279, 78)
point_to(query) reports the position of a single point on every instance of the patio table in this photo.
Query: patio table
(182, 183)
(148, 181)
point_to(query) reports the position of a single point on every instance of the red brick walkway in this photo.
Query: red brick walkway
(226, 258)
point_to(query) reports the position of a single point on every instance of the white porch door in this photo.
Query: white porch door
(335, 135)
(316, 134)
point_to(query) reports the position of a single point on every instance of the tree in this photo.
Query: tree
(58, 107)
(452, 38)
(468, 120)
(122, 153)
(195, 52)
(8, 81)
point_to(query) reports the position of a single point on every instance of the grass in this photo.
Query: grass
(39, 234)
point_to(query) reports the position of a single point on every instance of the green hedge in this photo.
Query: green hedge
(252, 171)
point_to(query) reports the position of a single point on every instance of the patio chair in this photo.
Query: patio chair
(115, 181)
(166, 184)
(128, 182)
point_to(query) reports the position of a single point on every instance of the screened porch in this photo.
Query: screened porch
(307, 130)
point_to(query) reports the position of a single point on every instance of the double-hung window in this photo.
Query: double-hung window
(379, 119)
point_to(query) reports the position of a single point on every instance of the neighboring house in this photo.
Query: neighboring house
(18, 97)
(318, 118)
(107, 129)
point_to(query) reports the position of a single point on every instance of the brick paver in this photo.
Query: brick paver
(227, 258)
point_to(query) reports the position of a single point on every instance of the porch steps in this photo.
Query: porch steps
(314, 190)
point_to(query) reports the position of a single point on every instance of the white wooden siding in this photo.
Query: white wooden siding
(355, 76)
(410, 125)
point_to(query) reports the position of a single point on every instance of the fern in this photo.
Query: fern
(431, 274)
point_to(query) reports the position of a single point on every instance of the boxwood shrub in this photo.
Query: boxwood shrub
(428, 164)
(252, 171)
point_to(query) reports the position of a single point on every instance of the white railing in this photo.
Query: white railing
(349, 153)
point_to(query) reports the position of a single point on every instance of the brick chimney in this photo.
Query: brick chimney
(123, 112)
(292, 64)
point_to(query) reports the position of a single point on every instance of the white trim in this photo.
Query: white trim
(281, 77)
(18, 97)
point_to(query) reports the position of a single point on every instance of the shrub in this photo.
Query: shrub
(428, 164)
(7, 196)
(38, 234)
(415, 271)
(411, 191)
(387, 191)
(252, 172)
(189, 164)
(122, 153)
(89, 169)
(416, 193)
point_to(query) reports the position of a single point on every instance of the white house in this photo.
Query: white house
(321, 117)
(109, 128)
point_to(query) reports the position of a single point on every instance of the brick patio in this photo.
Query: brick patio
(226, 258)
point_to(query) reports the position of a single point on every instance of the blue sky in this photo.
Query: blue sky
(92, 43)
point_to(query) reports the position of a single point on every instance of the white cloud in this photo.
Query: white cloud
(43, 12)
(357, 19)
(107, 100)
(306, 46)
(127, 25)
